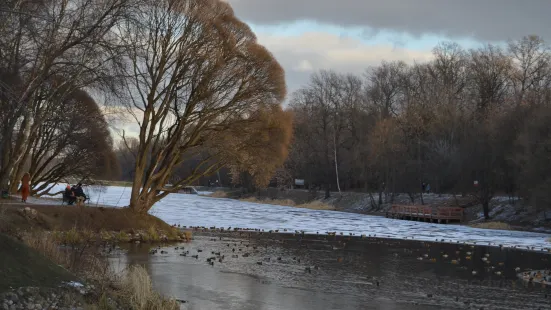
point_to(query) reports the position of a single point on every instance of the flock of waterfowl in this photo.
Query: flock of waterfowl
(334, 233)
(462, 256)
(235, 250)
(536, 276)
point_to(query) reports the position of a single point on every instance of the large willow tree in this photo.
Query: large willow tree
(199, 85)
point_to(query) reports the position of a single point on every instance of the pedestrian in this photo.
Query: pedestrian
(428, 188)
(25, 186)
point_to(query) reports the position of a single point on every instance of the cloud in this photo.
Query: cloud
(305, 53)
(304, 66)
(487, 20)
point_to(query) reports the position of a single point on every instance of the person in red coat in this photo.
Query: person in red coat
(25, 186)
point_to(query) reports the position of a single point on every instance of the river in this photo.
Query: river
(196, 210)
(311, 273)
(466, 268)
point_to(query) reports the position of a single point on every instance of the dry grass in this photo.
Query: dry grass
(48, 245)
(80, 258)
(219, 194)
(134, 288)
(122, 237)
(3, 218)
(153, 234)
(173, 234)
(187, 235)
(277, 202)
(138, 290)
(492, 225)
(316, 205)
(57, 217)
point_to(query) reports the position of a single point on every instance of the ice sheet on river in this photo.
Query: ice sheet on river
(197, 210)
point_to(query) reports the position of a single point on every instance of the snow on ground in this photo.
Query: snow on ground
(197, 210)
(204, 193)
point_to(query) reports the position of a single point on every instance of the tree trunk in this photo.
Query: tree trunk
(336, 162)
(23, 151)
(143, 203)
(327, 192)
(486, 208)
(137, 203)
(411, 197)
(6, 164)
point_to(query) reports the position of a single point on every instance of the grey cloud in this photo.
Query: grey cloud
(484, 20)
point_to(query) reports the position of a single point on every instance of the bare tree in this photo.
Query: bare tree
(449, 122)
(195, 71)
(385, 87)
(533, 65)
(324, 109)
(73, 144)
(52, 48)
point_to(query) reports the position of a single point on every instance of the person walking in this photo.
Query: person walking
(25, 186)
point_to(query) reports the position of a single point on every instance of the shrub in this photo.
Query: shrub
(153, 234)
(71, 237)
(187, 235)
(138, 291)
(105, 235)
(173, 233)
(122, 237)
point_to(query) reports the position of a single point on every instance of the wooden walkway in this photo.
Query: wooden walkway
(426, 214)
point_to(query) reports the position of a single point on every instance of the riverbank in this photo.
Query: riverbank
(506, 214)
(54, 257)
(107, 223)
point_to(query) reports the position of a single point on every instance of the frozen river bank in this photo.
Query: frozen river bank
(197, 210)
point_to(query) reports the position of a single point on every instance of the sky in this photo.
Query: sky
(350, 35)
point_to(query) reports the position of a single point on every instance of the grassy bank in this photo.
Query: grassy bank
(492, 225)
(43, 246)
(314, 205)
(35, 269)
(109, 224)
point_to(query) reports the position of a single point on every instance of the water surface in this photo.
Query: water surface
(411, 275)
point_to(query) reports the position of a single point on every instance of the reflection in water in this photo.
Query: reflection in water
(412, 275)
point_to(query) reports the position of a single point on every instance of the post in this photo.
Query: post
(335, 151)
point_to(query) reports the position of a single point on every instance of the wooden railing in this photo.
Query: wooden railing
(426, 213)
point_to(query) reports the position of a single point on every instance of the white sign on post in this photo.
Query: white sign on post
(299, 182)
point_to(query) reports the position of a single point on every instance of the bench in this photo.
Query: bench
(66, 200)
